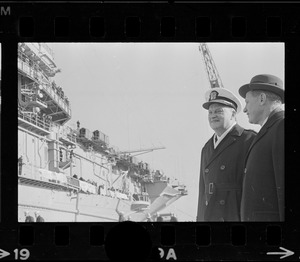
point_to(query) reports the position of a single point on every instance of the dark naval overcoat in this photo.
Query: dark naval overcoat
(221, 174)
(263, 188)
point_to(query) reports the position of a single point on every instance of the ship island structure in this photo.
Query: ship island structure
(67, 173)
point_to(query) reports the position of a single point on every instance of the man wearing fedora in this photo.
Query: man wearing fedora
(222, 158)
(263, 185)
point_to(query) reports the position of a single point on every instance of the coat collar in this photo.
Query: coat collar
(236, 131)
(275, 115)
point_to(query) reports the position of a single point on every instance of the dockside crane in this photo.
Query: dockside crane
(211, 69)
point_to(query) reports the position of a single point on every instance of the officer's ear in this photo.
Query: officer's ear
(233, 114)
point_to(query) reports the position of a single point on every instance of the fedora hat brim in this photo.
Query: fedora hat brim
(261, 86)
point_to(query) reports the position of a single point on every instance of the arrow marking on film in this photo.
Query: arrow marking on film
(287, 253)
(3, 253)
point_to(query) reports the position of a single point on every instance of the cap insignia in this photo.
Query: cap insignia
(213, 95)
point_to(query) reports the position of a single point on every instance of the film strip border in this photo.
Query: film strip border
(133, 27)
(152, 22)
(148, 241)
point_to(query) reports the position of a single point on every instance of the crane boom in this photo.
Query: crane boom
(141, 150)
(211, 69)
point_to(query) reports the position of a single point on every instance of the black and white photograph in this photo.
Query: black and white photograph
(151, 132)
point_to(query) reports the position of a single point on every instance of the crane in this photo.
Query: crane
(211, 69)
(145, 150)
(142, 150)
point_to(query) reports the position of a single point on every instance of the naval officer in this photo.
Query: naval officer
(222, 158)
(263, 187)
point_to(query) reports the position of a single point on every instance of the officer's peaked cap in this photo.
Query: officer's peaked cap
(222, 96)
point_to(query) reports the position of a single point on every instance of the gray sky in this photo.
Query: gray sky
(151, 94)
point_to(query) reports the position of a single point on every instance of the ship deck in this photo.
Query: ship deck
(46, 184)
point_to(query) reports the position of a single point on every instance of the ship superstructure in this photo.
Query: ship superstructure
(67, 172)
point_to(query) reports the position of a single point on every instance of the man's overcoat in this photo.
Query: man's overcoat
(263, 188)
(221, 175)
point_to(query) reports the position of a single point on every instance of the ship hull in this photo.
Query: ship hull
(64, 206)
(68, 206)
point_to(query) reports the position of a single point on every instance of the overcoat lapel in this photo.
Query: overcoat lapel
(260, 134)
(226, 142)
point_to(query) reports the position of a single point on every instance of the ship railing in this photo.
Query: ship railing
(51, 176)
(68, 133)
(69, 182)
(56, 178)
(40, 48)
(61, 101)
(148, 178)
(28, 87)
(32, 94)
(35, 72)
(35, 119)
(26, 68)
(141, 197)
(38, 101)
(117, 194)
(41, 176)
(62, 179)
(34, 47)
(40, 53)
(121, 195)
(87, 187)
(72, 137)
(47, 49)
(30, 67)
